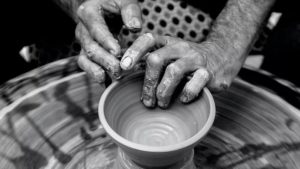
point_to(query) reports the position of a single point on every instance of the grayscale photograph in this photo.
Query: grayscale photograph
(150, 84)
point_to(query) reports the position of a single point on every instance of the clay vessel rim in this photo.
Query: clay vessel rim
(174, 147)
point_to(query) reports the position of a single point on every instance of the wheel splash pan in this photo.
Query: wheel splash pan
(48, 119)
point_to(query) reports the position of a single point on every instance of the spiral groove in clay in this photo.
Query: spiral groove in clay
(152, 127)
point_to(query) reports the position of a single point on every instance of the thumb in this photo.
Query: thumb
(131, 14)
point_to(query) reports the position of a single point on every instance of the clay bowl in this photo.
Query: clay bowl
(153, 137)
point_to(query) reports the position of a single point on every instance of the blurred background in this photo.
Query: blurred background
(36, 33)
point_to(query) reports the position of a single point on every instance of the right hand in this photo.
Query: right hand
(100, 50)
(174, 59)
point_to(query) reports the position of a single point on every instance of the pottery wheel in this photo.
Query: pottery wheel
(48, 119)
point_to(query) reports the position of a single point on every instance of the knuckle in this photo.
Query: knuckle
(78, 32)
(90, 54)
(81, 10)
(154, 60)
(174, 70)
(149, 36)
(183, 45)
(203, 73)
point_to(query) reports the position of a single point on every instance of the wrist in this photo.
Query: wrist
(237, 27)
(220, 59)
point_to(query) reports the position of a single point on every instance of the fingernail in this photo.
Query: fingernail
(147, 103)
(118, 77)
(126, 63)
(184, 98)
(162, 104)
(134, 23)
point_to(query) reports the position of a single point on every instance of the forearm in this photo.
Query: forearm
(69, 6)
(237, 27)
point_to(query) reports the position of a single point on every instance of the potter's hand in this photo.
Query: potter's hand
(206, 62)
(214, 62)
(100, 48)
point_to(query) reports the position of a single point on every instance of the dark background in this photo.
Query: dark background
(33, 22)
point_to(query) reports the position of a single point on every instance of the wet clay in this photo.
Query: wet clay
(153, 127)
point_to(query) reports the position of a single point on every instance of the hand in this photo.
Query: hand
(100, 49)
(207, 62)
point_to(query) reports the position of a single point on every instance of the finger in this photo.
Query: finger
(131, 14)
(193, 87)
(154, 67)
(97, 54)
(91, 14)
(141, 46)
(92, 69)
(111, 6)
(222, 79)
(138, 49)
(172, 77)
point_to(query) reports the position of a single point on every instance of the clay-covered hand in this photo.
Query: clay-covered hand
(174, 59)
(100, 49)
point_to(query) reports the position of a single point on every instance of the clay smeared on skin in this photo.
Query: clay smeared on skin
(94, 35)
(150, 83)
(194, 86)
(95, 53)
(148, 95)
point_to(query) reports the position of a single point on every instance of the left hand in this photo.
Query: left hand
(208, 63)
(101, 50)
